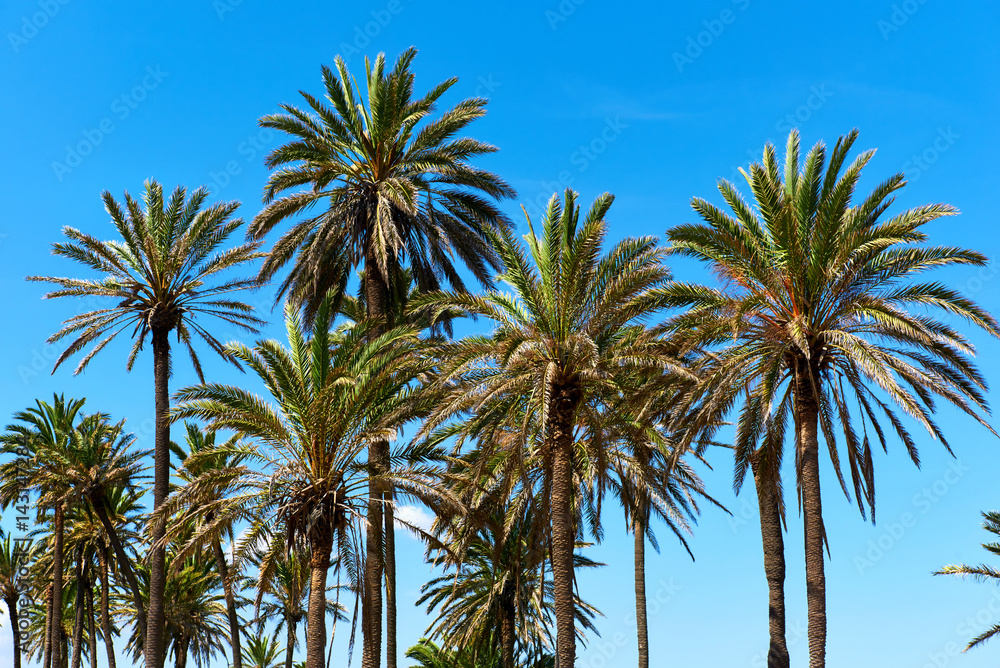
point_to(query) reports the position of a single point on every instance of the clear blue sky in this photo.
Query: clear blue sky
(652, 102)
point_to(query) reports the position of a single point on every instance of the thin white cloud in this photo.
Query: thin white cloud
(417, 516)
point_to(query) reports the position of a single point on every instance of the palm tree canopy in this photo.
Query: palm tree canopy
(816, 285)
(393, 191)
(163, 270)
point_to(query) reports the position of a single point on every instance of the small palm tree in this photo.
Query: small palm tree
(262, 653)
(38, 439)
(562, 342)
(981, 573)
(164, 270)
(13, 558)
(331, 396)
(392, 194)
(815, 315)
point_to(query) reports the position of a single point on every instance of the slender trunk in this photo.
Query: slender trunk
(774, 565)
(390, 581)
(109, 642)
(319, 564)
(57, 582)
(15, 631)
(507, 622)
(64, 651)
(812, 517)
(234, 620)
(161, 477)
(642, 633)
(561, 415)
(376, 296)
(181, 649)
(47, 661)
(91, 634)
(79, 609)
(289, 640)
(124, 566)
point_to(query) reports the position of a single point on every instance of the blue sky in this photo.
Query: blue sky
(650, 102)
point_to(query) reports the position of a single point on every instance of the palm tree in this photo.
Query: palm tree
(981, 573)
(13, 558)
(261, 653)
(38, 440)
(391, 195)
(331, 396)
(164, 272)
(198, 442)
(815, 316)
(561, 342)
(498, 603)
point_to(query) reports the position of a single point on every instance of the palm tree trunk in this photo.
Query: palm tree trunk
(124, 566)
(57, 578)
(319, 563)
(180, 660)
(161, 477)
(289, 640)
(561, 416)
(109, 642)
(642, 632)
(11, 603)
(91, 634)
(807, 412)
(47, 661)
(507, 622)
(774, 565)
(227, 588)
(390, 581)
(79, 610)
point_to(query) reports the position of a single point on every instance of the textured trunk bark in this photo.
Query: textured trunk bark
(78, 617)
(47, 661)
(507, 622)
(234, 620)
(11, 602)
(390, 581)
(773, 542)
(807, 410)
(109, 641)
(376, 296)
(642, 633)
(561, 415)
(57, 581)
(180, 660)
(319, 563)
(161, 477)
(124, 567)
(289, 641)
(91, 634)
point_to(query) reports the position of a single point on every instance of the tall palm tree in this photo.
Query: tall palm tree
(815, 315)
(330, 397)
(393, 192)
(561, 342)
(164, 270)
(198, 442)
(38, 440)
(981, 573)
(13, 558)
